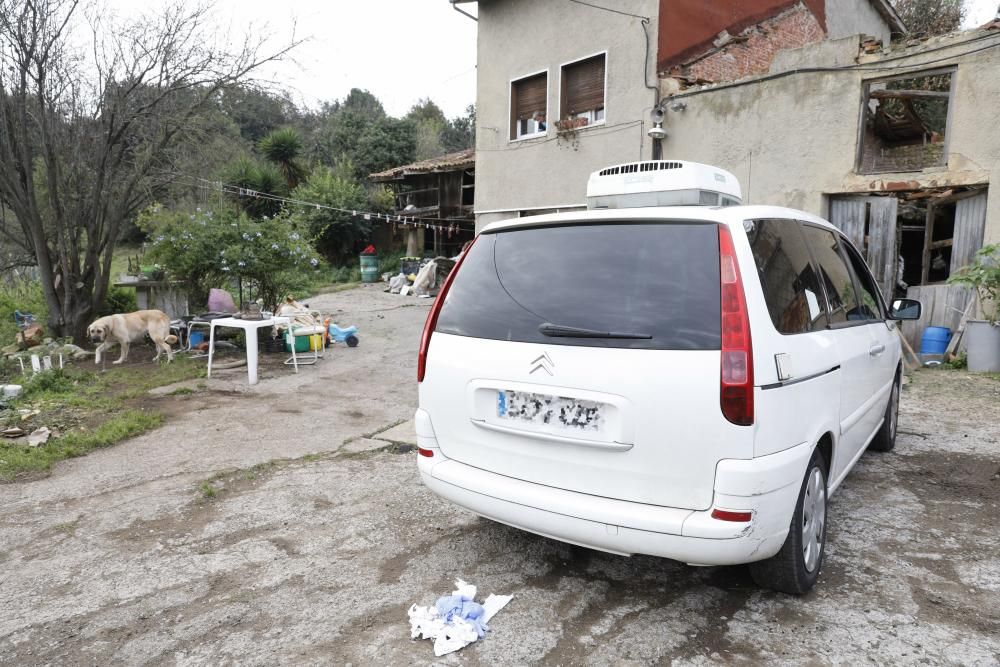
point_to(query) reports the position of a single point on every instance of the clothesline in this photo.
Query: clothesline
(390, 218)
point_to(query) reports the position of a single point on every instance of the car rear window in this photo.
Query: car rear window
(659, 280)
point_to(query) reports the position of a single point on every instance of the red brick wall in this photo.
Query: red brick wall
(688, 27)
(753, 49)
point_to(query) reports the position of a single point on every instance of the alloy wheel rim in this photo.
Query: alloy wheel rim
(813, 519)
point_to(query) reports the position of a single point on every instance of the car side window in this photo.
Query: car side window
(869, 308)
(842, 300)
(791, 287)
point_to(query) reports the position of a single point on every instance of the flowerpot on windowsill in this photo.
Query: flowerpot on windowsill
(982, 343)
(569, 125)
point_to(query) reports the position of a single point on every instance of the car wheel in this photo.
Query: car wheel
(795, 568)
(885, 439)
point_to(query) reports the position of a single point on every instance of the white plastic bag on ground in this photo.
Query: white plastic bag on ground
(451, 635)
(397, 283)
(426, 279)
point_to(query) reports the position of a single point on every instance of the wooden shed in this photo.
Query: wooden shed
(438, 192)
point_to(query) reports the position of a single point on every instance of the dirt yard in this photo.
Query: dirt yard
(286, 523)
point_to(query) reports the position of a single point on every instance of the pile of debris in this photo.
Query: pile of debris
(419, 277)
(32, 341)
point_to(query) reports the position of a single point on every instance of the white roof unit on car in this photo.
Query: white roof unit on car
(662, 183)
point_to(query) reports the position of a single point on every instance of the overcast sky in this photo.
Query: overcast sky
(980, 12)
(401, 50)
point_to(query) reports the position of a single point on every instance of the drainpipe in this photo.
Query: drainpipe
(657, 143)
(454, 5)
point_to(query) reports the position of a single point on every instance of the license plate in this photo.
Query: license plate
(570, 413)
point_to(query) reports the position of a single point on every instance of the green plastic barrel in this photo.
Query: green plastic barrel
(369, 268)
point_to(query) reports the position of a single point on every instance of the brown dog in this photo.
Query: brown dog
(129, 327)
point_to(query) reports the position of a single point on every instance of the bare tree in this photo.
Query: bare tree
(87, 137)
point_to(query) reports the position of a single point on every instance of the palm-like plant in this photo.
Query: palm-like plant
(283, 148)
(261, 179)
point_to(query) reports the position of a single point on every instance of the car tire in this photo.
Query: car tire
(885, 439)
(795, 568)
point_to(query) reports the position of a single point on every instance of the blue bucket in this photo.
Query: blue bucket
(935, 340)
(197, 337)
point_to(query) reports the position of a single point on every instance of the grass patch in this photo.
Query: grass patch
(181, 391)
(208, 490)
(85, 410)
(18, 460)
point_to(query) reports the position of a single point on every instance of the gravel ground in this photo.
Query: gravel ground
(319, 536)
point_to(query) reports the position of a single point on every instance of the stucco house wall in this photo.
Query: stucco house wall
(846, 18)
(520, 37)
(792, 140)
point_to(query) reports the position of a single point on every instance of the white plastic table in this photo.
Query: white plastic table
(250, 327)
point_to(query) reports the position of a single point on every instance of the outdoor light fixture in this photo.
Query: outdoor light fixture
(657, 132)
(657, 115)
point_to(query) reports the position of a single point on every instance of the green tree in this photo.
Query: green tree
(253, 181)
(358, 131)
(429, 123)
(255, 111)
(386, 143)
(361, 102)
(213, 248)
(460, 132)
(926, 18)
(283, 149)
(336, 234)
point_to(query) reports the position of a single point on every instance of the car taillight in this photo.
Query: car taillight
(729, 515)
(432, 317)
(736, 391)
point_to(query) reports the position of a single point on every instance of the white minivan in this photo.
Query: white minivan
(655, 377)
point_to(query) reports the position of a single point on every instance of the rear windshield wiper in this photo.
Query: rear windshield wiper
(560, 331)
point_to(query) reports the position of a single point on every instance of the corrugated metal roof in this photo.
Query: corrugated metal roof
(449, 162)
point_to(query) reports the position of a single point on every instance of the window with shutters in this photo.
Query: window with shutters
(529, 106)
(582, 91)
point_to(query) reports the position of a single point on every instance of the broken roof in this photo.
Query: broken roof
(450, 162)
(890, 16)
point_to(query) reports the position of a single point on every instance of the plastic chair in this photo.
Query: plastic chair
(221, 304)
(302, 323)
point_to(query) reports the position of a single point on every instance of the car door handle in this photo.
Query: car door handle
(876, 350)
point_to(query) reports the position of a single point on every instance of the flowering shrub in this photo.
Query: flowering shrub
(221, 248)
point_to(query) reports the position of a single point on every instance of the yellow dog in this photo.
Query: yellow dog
(129, 327)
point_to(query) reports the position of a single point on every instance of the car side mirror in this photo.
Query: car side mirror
(905, 309)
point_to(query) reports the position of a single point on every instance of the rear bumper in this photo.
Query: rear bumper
(766, 486)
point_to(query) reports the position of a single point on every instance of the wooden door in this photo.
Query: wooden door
(882, 252)
(970, 223)
(870, 224)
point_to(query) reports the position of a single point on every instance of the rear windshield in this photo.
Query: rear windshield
(660, 281)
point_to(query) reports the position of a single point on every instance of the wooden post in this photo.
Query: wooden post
(411, 242)
(907, 348)
(956, 338)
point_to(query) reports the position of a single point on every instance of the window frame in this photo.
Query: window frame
(841, 239)
(846, 248)
(709, 226)
(825, 306)
(866, 84)
(559, 90)
(512, 122)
